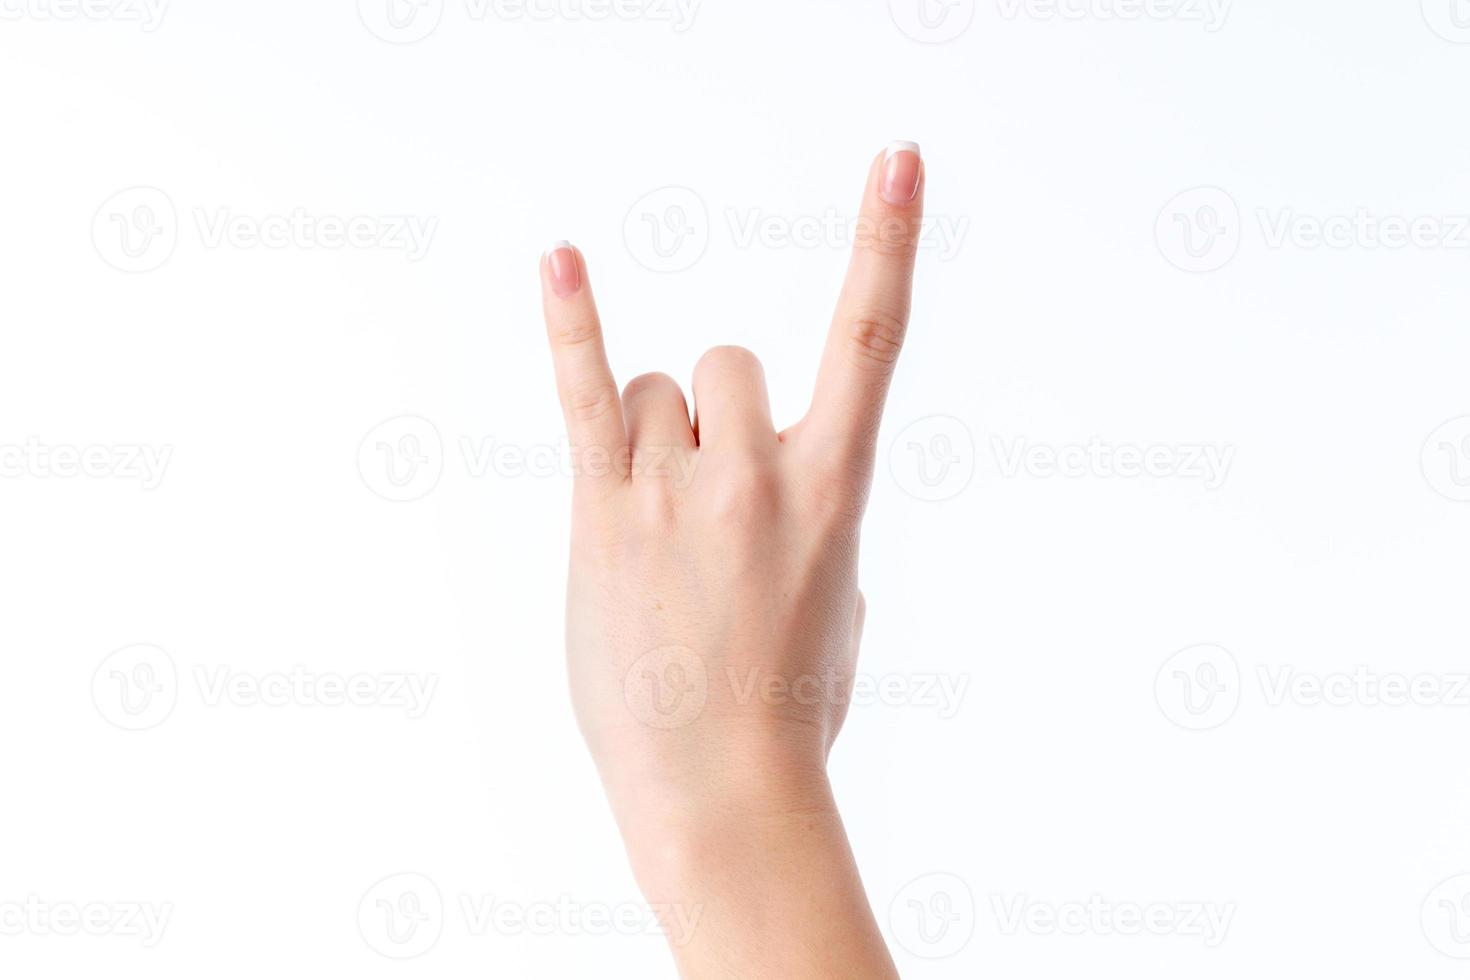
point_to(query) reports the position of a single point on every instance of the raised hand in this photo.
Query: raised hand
(713, 613)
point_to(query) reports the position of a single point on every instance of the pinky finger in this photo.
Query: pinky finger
(584, 381)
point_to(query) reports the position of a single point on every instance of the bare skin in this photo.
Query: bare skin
(713, 613)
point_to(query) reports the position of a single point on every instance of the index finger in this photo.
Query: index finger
(872, 314)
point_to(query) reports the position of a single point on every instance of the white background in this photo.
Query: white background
(1057, 313)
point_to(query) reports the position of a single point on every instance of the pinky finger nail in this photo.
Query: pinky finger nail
(566, 278)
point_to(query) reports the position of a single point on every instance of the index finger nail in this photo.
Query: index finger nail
(900, 173)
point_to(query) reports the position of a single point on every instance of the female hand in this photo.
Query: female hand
(713, 612)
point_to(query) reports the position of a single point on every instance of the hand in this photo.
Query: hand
(713, 613)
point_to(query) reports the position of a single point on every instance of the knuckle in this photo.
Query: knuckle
(746, 492)
(876, 336)
(890, 238)
(575, 331)
(728, 357)
(588, 401)
(652, 382)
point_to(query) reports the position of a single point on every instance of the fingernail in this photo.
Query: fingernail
(566, 279)
(900, 172)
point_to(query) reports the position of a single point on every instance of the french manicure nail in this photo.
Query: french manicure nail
(900, 172)
(566, 279)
